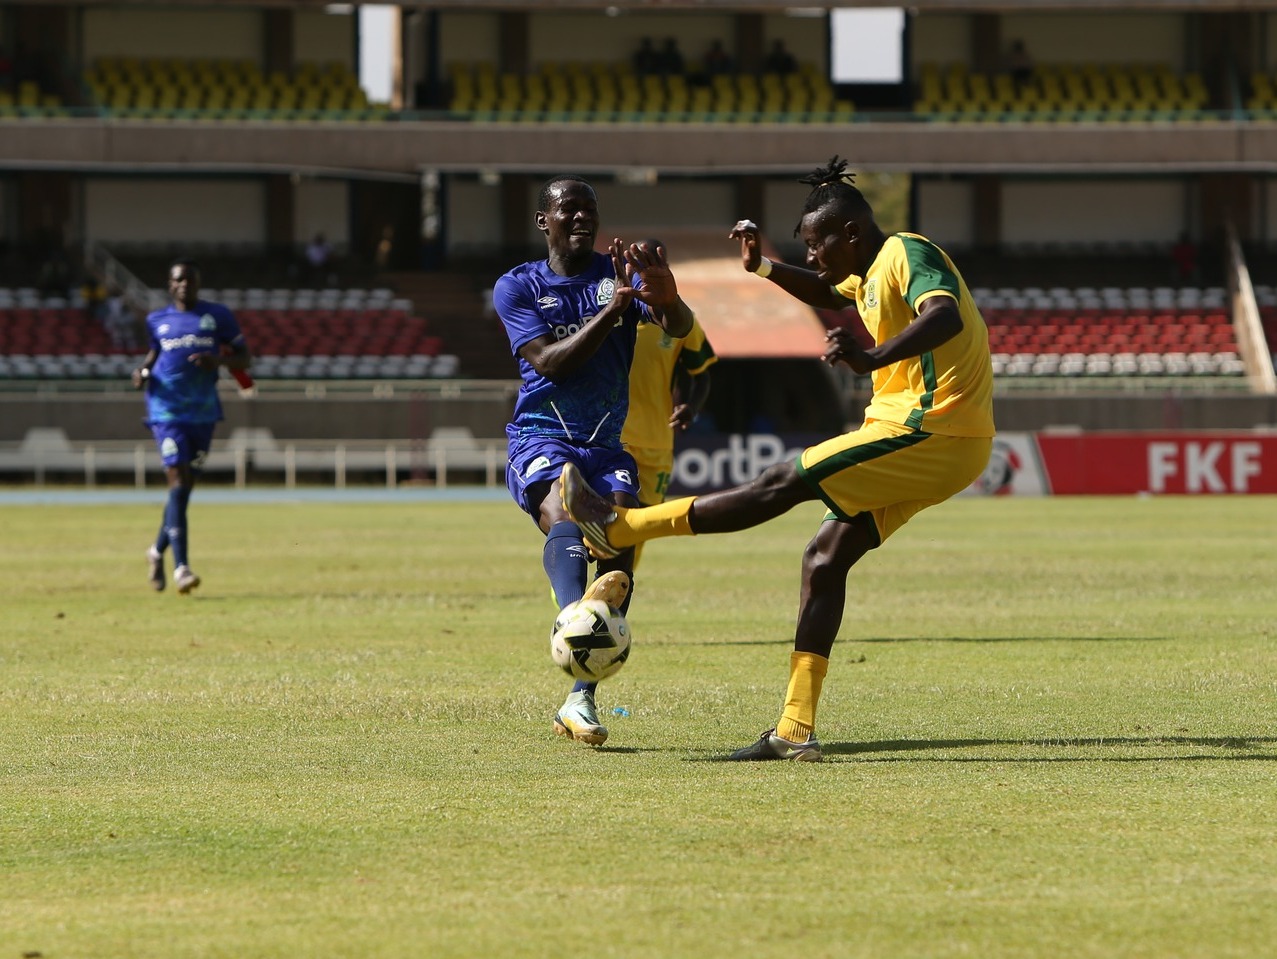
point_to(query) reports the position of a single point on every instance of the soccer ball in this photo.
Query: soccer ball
(590, 640)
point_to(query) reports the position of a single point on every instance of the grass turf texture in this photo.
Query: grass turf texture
(1049, 729)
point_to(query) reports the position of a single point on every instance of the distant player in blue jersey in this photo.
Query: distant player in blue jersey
(191, 339)
(572, 320)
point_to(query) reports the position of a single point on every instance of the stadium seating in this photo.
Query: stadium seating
(612, 92)
(29, 100)
(1262, 98)
(294, 334)
(1061, 93)
(177, 88)
(1110, 331)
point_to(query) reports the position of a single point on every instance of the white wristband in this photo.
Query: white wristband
(764, 268)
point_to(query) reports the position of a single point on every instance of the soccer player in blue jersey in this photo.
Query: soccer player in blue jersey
(190, 339)
(572, 319)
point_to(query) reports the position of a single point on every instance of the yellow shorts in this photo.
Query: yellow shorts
(656, 467)
(891, 472)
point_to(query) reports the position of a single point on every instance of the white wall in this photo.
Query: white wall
(320, 37)
(1113, 210)
(174, 211)
(670, 205)
(474, 215)
(322, 206)
(946, 212)
(235, 34)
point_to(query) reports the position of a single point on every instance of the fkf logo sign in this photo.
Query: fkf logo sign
(1212, 466)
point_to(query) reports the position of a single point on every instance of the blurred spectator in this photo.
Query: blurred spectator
(1184, 253)
(55, 275)
(669, 60)
(318, 257)
(718, 60)
(119, 321)
(779, 60)
(385, 249)
(645, 59)
(1019, 65)
(94, 295)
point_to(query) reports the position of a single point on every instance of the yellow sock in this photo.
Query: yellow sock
(806, 675)
(638, 525)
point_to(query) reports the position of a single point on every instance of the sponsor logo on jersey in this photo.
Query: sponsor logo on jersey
(189, 341)
(162, 329)
(607, 289)
(546, 302)
(168, 446)
(624, 476)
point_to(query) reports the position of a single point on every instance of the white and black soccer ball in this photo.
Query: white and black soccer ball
(590, 640)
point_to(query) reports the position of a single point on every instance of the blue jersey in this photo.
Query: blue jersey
(178, 391)
(588, 407)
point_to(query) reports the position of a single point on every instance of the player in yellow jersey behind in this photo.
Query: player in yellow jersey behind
(669, 384)
(927, 432)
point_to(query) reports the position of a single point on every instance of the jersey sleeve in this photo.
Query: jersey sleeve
(697, 355)
(513, 302)
(228, 331)
(927, 272)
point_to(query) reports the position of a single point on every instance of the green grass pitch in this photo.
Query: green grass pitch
(1051, 729)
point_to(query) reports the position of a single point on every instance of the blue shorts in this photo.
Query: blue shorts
(540, 459)
(183, 442)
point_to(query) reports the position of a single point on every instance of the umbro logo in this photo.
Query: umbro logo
(547, 301)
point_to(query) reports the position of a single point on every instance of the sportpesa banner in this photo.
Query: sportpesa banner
(1029, 464)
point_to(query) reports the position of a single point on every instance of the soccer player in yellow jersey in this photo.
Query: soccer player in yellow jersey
(927, 432)
(669, 384)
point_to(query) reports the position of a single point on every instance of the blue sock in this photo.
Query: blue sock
(580, 685)
(175, 522)
(566, 562)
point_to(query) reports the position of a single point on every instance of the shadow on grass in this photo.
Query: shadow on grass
(882, 641)
(1253, 745)
(1244, 747)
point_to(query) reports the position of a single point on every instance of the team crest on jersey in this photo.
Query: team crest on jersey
(667, 341)
(163, 328)
(546, 302)
(538, 464)
(207, 322)
(871, 294)
(607, 289)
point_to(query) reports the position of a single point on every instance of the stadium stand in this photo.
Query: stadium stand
(31, 101)
(220, 89)
(606, 92)
(295, 334)
(1110, 332)
(1061, 93)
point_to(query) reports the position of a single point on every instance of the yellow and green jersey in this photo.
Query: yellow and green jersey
(657, 357)
(948, 390)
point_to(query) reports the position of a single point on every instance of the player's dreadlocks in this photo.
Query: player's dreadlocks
(833, 184)
(543, 198)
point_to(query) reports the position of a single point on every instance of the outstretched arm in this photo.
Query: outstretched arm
(799, 283)
(659, 291)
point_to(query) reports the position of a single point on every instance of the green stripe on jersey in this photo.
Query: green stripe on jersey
(925, 402)
(928, 270)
